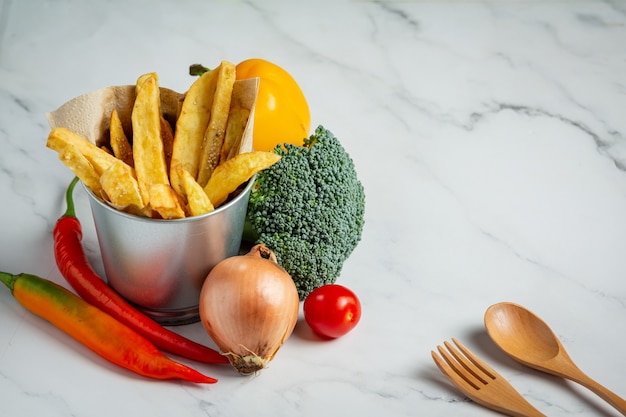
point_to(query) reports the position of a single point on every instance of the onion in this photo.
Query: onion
(249, 306)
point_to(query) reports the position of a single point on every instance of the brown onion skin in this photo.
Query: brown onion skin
(249, 306)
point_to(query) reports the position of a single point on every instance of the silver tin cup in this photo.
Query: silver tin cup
(160, 265)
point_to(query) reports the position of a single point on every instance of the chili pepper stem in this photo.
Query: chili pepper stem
(71, 210)
(8, 279)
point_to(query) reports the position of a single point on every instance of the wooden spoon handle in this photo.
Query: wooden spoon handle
(607, 395)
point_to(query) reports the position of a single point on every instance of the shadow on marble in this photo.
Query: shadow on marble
(491, 353)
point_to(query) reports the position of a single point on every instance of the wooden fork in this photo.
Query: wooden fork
(480, 382)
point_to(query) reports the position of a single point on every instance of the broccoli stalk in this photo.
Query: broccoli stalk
(308, 208)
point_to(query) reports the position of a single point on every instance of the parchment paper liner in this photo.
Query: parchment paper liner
(89, 115)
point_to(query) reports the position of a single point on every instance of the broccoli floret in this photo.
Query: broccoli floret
(308, 208)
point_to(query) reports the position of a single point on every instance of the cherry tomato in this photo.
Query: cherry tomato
(332, 310)
(281, 113)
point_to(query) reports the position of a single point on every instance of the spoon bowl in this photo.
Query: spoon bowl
(521, 334)
(529, 340)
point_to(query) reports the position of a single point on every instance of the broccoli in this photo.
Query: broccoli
(308, 208)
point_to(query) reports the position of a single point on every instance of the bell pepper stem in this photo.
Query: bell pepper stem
(198, 69)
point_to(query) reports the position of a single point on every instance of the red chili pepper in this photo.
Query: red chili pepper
(96, 329)
(75, 267)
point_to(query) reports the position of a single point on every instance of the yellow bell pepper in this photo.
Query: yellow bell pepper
(281, 112)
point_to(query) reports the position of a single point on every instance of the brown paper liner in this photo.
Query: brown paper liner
(89, 115)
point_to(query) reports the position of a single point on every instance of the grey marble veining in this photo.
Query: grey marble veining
(490, 137)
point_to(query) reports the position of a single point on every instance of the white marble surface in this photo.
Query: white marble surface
(490, 138)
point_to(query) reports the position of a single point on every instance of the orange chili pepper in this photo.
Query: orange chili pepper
(96, 329)
(77, 271)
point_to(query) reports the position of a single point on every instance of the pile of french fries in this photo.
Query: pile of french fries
(165, 172)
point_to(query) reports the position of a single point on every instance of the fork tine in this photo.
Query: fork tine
(456, 379)
(458, 368)
(475, 366)
(486, 369)
(480, 382)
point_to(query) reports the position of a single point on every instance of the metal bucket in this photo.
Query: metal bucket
(160, 265)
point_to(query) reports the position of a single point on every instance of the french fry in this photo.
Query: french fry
(214, 134)
(191, 125)
(166, 202)
(60, 137)
(148, 154)
(197, 201)
(234, 172)
(122, 190)
(119, 142)
(237, 121)
(82, 168)
(148, 150)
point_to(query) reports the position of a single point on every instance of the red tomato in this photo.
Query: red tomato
(332, 310)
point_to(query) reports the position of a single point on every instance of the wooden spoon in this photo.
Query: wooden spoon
(529, 340)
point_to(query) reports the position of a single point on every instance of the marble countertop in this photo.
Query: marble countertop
(489, 136)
